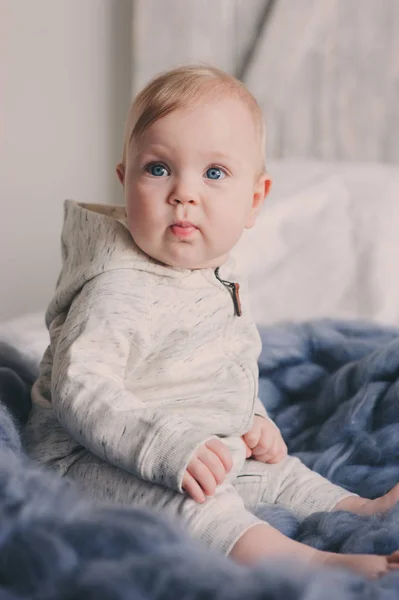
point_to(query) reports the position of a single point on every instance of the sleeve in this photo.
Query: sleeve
(108, 328)
(260, 410)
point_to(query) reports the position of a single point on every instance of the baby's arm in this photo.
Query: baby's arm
(260, 409)
(106, 331)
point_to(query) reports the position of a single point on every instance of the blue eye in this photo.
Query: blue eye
(215, 173)
(157, 170)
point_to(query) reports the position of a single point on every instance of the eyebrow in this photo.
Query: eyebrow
(223, 156)
(164, 150)
(153, 148)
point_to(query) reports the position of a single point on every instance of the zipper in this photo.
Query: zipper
(234, 289)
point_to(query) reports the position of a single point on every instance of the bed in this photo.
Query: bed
(322, 262)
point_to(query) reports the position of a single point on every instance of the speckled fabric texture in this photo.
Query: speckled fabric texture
(147, 362)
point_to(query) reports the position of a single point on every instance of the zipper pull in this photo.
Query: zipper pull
(235, 292)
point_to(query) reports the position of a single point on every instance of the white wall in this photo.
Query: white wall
(63, 102)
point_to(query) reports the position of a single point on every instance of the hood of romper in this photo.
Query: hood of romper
(95, 239)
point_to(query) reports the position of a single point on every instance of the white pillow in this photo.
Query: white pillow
(27, 333)
(325, 244)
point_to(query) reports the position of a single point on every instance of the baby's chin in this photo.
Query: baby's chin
(188, 262)
(195, 262)
(192, 265)
(181, 257)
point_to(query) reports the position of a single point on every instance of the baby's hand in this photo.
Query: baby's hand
(207, 469)
(264, 441)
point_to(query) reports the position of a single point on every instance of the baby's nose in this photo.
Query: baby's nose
(183, 197)
(184, 191)
(183, 201)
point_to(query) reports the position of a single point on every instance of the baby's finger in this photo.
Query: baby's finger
(191, 487)
(253, 436)
(213, 462)
(202, 476)
(268, 455)
(262, 448)
(278, 451)
(248, 451)
(222, 451)
(281, 445)
(265, 445)
(283, 450)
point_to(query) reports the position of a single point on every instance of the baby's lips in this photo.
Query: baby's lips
(184, 224)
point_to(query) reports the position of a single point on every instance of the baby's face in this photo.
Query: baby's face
(191, 186)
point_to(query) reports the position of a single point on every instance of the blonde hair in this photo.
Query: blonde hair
(183, 87)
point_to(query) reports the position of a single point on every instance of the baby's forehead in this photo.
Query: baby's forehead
(208, 118)
(230, 103)
(200, 139)
(212, 123)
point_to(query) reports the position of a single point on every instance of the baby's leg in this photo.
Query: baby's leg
(303, 491)
(363, 506)
(290, 484)
(219, 522)
(222, 522)
(262, 541)
(293, 485)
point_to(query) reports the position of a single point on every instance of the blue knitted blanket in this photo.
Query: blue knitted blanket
(333, 389)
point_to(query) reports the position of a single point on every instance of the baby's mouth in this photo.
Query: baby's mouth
(183, 229)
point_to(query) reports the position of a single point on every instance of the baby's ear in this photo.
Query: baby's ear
(261, 190)
(120, 171)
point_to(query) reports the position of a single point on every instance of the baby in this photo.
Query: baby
(148, 391)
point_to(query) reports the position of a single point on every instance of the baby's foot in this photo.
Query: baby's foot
(372, 566)
(382, 504)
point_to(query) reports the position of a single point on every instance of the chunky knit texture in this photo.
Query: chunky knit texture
(332, 387)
